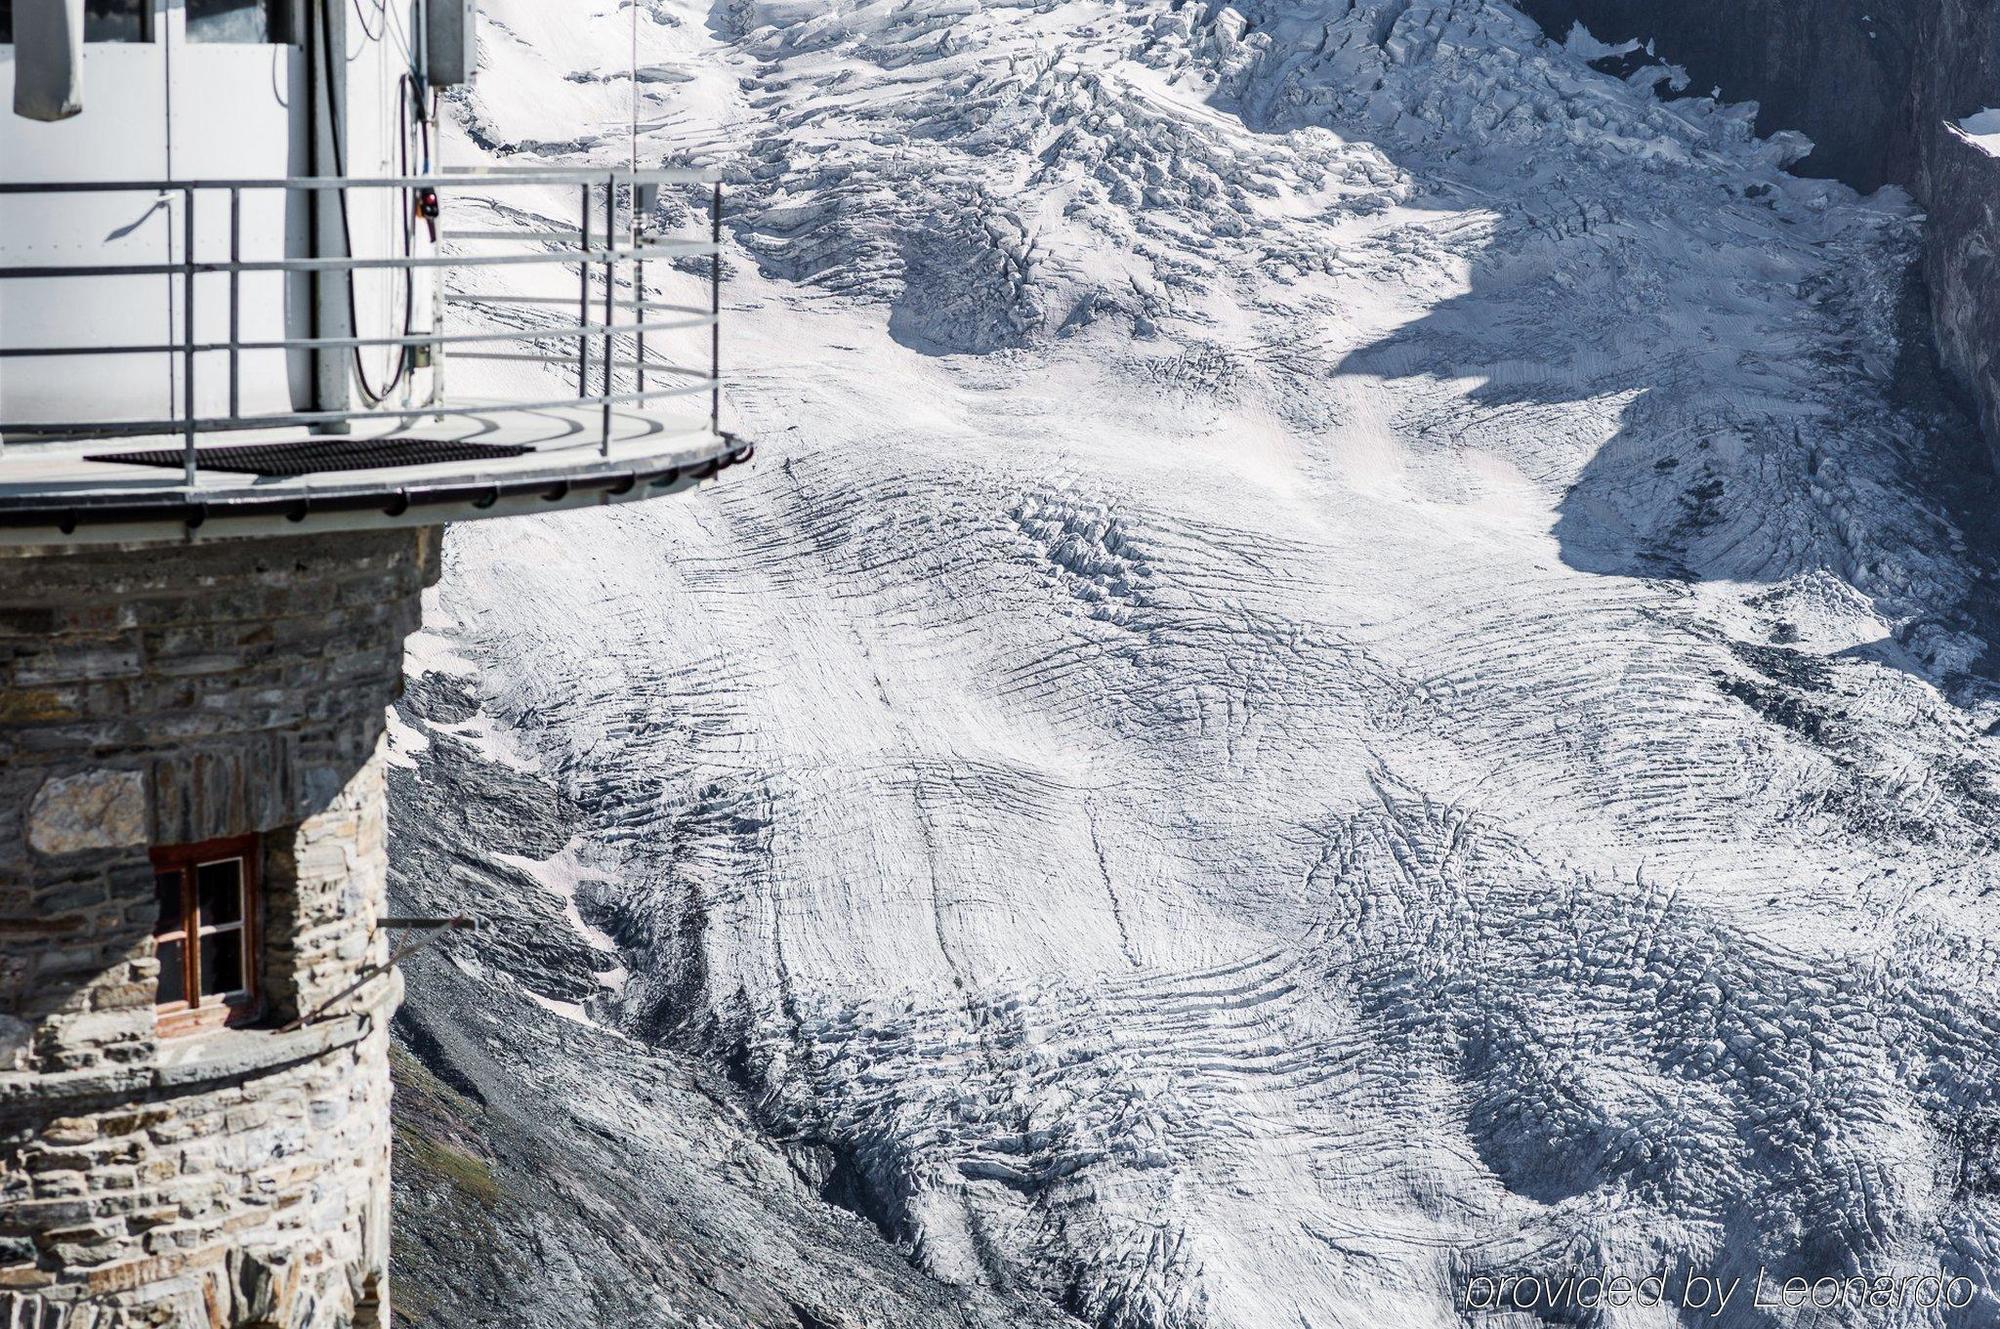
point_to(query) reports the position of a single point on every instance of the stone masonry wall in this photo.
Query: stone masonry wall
(235, 1179)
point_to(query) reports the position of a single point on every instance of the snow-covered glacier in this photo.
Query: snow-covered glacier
(1356, 656)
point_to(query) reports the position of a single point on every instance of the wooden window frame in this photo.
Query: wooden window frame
(196, 1013)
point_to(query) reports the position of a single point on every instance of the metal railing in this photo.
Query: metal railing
(609, 246)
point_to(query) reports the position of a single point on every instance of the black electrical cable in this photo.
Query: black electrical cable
(362, 19)
(334, 127)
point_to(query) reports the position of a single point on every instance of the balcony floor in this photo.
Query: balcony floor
(67, 492)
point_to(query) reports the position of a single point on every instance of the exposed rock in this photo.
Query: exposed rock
(1961, 184)
(1879, 88)
(552, 1174)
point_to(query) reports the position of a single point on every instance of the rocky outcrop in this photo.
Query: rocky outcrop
(554, 1173)
(1958, 178)
(1881, 90)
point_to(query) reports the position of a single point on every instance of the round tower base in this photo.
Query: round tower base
(221, 1163)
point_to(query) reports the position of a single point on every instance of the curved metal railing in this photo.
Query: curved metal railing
(604, 341)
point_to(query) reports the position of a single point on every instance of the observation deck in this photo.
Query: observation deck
(578, 376)
(251, 333)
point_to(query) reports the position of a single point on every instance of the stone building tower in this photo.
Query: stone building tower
(226, 697)
(227, 454)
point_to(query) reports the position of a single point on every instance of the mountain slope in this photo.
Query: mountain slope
(547, 1174)
(1344, 665)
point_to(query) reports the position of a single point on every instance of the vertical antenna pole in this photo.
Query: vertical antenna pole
(639, 263)
(437, 324)
(634, 6)
(639, 312)
(187, 334)
(583, 293)
(715, 310)
(610, 293)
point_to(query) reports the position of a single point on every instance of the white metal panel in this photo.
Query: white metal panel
(121, 134)
(175, 109)
(381, 40)
(238, 110)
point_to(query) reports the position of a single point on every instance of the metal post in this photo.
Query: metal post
(437, 320)
(610, 291)
(187, 334)
(583, 294)
(639, 308)
(235, 257)
(332, 365)
(715, 310)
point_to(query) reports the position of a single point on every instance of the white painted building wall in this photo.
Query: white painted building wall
(175, 108)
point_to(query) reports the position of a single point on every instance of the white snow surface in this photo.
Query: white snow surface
(1982, 131)
(1332, 671)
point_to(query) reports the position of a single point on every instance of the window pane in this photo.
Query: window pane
(220, 889)
(167, 892)
(222, 962)
(238, 21)
(173, 981)
(103, 21)
(117, 20)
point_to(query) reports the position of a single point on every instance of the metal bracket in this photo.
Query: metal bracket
(437, 927)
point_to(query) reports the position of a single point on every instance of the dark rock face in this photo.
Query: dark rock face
(1878, 88)
(1960, 185)
(1962, 269)
(1818, 66)
(551, 1173)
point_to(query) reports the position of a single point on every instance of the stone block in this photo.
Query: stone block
(59, 1160)
(144, 1220)
(61, 1186)
(94, 810)
(122, 996)
(131, 1274)
(158, 1170)
(244, 1119)
(38, 1215)
(81, 662)
(136, 1119)
(23, 706)
(69, 1131)
(66, 897)
(118, 1177)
